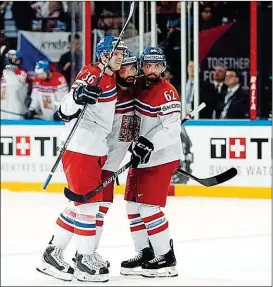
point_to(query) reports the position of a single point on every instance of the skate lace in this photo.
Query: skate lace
(59, 257)
(136, 258)
(156, 259)
(91, 262)
(98, 257)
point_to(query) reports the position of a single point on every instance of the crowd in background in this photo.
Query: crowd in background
(224, 95)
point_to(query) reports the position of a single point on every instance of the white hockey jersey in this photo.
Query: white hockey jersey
(46, 93)
(158, 117)
(91, 134)
(122, 133)
(14, 89)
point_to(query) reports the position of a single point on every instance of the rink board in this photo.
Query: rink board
(28, 151)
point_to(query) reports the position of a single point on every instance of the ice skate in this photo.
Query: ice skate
(104, 263)
(88, 269)
(161, 266)
(133, 265)
(53, 264)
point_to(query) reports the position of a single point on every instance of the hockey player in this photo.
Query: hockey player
(82, 164)
(48, 89)
(156, 154)
(14, 87)
(122, 133)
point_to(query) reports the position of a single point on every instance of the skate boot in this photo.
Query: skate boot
(133, 265)
(88, 269)
(161, 266)
(53, 264)
(104, 263)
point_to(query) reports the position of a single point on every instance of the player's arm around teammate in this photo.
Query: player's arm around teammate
(121, 136)
(82, 164)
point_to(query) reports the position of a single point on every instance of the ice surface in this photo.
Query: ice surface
(217, 241)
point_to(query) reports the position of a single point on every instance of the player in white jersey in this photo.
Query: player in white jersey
(122, 133)
(82, 164)
(48, 90)
(156, 155)
(14, 87)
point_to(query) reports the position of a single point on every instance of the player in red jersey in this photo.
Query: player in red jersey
(48, 90)
(82, 163)
(122, 133)
(156, 155)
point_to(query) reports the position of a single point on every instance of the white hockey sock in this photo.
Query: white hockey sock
(137, 226)
(157, 228)
(103, 209)
(85, 227)
(64, 229)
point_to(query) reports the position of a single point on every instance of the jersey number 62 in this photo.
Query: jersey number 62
(170, 96)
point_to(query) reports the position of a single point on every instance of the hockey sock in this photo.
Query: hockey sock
(103, 209)
(157, 228)
(85, 227)
(137, 226)
(64, 229)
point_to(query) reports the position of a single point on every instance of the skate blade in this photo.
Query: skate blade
(162, 272)
(85, 277)
(50, 270)
(131, 271)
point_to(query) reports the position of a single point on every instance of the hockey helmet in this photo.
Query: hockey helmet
(153, 55)
(106, 45)
(129, 59)
(41, 67)
(14, 57)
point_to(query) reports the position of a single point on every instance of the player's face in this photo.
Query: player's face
(116, 60)
(42, 76)
(128, 73)
(152, 70)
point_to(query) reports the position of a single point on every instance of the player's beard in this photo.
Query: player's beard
(127, 82)
(150, 81)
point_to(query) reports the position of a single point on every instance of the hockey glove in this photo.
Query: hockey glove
(29, 114)
(86, 95)
(141, 151)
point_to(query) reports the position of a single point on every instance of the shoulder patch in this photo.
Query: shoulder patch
(171, 107)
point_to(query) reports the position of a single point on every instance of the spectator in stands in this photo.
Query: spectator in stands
(66, 65)
(204, 95)
(172, 49)
(235, 102)
(206, 18)
(14, 16)
(4, 48)
(50, 16)
(216, 89)
(106, 23)
(8, 23)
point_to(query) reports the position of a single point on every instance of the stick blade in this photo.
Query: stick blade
(223, 177)
(73, 196)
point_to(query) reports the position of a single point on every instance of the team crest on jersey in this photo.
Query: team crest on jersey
(47, 102)
(126, 132)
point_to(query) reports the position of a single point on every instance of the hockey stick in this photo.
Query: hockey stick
(83, 198)
(214, 180)
(64, 147)
(22, 115)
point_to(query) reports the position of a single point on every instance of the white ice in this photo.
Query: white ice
(216, 241)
